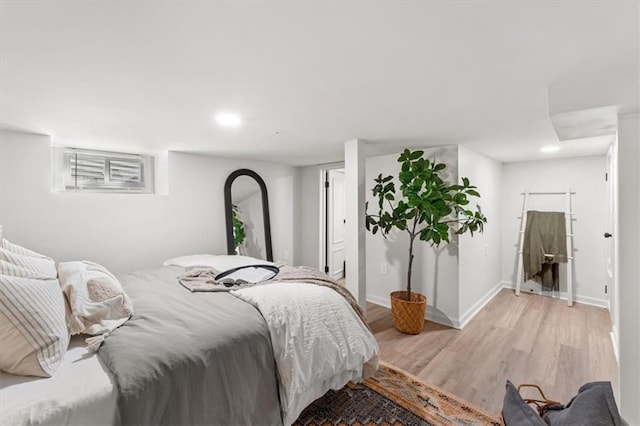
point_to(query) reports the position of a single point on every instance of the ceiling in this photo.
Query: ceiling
(308, 76)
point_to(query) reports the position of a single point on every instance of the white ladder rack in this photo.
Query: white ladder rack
(568, 215)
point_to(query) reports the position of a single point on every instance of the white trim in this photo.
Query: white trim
(440, 318)
(601, 303)
(477, 307)
(322, 204)
(377, 300)
(614, 342)
(432, 314)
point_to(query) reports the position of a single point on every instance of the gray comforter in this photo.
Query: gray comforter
(191, 358)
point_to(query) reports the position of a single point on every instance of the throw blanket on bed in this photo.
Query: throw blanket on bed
(319, 336)
(308, 275)
(190, 358)
(202, 279)
(545, 233)
(209, 279)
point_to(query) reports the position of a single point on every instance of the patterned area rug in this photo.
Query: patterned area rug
(392, 397)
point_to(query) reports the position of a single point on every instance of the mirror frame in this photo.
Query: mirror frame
(265, 211)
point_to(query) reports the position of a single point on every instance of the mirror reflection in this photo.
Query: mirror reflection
(248, 223)
(247, 215)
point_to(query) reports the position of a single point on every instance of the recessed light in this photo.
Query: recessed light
(550, 148)
(228, 120)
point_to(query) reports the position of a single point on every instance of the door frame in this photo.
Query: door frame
(322, 228)
(611, 157)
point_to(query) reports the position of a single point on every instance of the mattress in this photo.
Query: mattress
(81, 392)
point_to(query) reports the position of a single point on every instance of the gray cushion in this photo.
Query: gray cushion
(516, 411)
(594, 405)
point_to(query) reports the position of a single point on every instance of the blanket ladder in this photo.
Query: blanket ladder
(568, 216)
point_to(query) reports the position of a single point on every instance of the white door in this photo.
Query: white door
(336, 216)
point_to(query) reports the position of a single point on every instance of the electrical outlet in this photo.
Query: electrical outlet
(486, 250)
(384, 268)
(285, 255)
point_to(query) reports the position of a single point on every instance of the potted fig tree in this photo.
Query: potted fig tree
(427, 208)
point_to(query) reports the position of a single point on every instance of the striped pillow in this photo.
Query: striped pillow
(14, 248)
(33, 330)
(42, 265)
(13, 270)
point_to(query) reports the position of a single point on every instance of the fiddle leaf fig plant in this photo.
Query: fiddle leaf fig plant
(423, 205)
(239, 232)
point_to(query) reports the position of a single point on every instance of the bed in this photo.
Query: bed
(258, 356)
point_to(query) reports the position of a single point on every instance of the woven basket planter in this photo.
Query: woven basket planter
(408, 315)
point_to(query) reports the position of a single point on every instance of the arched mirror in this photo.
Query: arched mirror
(247, 215)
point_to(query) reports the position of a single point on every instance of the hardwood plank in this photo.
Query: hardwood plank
(526, 339)
(601, 356)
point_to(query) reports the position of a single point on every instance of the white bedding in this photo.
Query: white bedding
(222, 262)
(319, 342)
(80, 392)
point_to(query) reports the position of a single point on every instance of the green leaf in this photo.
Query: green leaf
(426, 234)
(465, 182)
(415, 155)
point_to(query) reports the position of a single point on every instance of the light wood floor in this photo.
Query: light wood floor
(526, 339)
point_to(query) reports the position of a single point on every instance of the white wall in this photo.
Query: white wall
(585, 176)
(480, 256)
(629, 261)
(128, 232)
(435, 271)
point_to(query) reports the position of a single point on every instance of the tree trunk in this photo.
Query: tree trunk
(410, 268)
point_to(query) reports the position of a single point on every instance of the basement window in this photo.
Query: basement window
(102, 171)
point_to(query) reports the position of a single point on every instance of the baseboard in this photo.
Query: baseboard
(433, 315)
(382, 301)
(601, 303)
(477, 307)
(614, 342)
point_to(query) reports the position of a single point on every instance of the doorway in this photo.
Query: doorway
(332, 222)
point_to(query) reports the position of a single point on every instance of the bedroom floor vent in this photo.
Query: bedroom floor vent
(102, 171)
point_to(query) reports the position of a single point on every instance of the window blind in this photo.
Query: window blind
(106, 171)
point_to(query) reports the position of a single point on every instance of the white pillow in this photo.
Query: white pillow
(33, 332)
(42, 265)
(220, 263)
(14, 248)
(98, 304)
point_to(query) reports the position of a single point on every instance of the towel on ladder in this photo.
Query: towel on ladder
(550, 276)
(545, 233)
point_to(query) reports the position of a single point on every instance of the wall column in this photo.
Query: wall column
(354, 242)
(629, 257)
